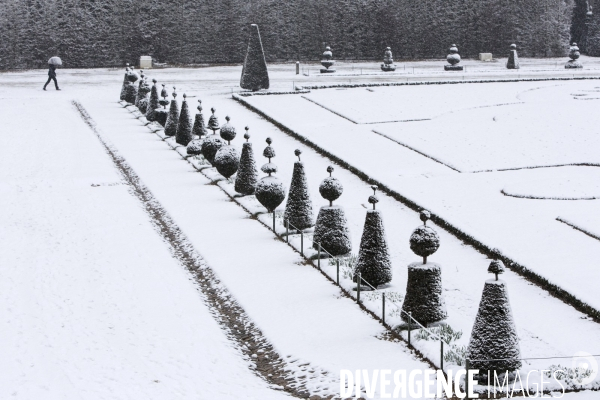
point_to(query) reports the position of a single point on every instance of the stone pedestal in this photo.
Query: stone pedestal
(327, 61)
(453, 68)
(145, 62)
(424, 293)
(485, 57)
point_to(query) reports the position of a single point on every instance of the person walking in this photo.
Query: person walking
(52, 76)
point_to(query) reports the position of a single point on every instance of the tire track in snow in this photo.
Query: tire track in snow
(290, 376)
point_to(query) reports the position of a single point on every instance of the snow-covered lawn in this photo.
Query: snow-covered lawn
(302, 314)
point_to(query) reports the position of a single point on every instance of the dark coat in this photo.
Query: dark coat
(52, 71)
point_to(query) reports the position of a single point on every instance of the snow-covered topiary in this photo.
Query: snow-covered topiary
(141, 100)
(574, 57)
(254, 73)
(152, 102)
(270, 192)
(424, 297)
(227, 161)
(199, 128)
(210, 146)
(331, 228)
(213, 121)
(130, 87)
(299, 210)
(494, 335)
(184, 126)
(453, 59)
(122, 96)
(247, 176)
(424, 241)
(331, 189)
(374, 264)
(331, 231)
(496, 267)
(228, 131)
(388, 61)
(173, 117)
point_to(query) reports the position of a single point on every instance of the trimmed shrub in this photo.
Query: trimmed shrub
(213, 121)
(227, 161)
(299, 209)
(228, 131)
(152, 102)
(424, 297)
(247, 177)
(254, 73)
(331, 231)
(210, 146)
(494, 335)
(199, 128)
(184, 126)
(173, 117)
(270, 192)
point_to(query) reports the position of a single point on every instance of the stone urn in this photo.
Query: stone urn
(574, 57)
(453, 59)
(388, 61)
(327, 61)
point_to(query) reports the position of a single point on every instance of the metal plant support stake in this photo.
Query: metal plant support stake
(302, 243)
(466, 378)
(409, 323)
(287, 230)
(337, 262)
(274, 222)
(358, 288)
(319, 256)
(383, 307)
(441, 354)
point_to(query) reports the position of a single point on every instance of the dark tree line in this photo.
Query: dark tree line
(92, 33)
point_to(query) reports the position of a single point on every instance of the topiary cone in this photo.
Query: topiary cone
(184, 126)
(254, 73)
(152, 103)
(494, 335)
(173, 117)
(199, 128)
(374, 262)
(247, 177)
(299, 209)
(125, 80)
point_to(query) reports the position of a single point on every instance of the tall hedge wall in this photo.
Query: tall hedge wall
(92, 33)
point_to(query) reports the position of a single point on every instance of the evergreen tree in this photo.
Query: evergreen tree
(247, 176)
(184, 127)
(298, 210)
(125, 82)
(494, 335)
(141, 100)
(131, 87)
(254, 73)
(152, 102)
(374, 264)
(173, 117)
(331, 228)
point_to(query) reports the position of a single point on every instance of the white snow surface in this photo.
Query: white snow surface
(296, 308)
(93, 304)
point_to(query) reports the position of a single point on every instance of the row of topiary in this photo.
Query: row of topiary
(494, 334)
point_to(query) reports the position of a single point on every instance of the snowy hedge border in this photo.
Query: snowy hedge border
(250, 94)
(574, 226)
(365, 85)
(533, 277)
(526, 196)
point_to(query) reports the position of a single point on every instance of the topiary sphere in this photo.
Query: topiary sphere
(227, 161)
(331, 189)
(210, 146)
(496, 267)
(269, 152)
(132, 76)
(424, 241)
(194, 147)
(270, 192)
(228, 131)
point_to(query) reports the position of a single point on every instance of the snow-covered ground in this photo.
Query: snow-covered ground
(302, 314)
